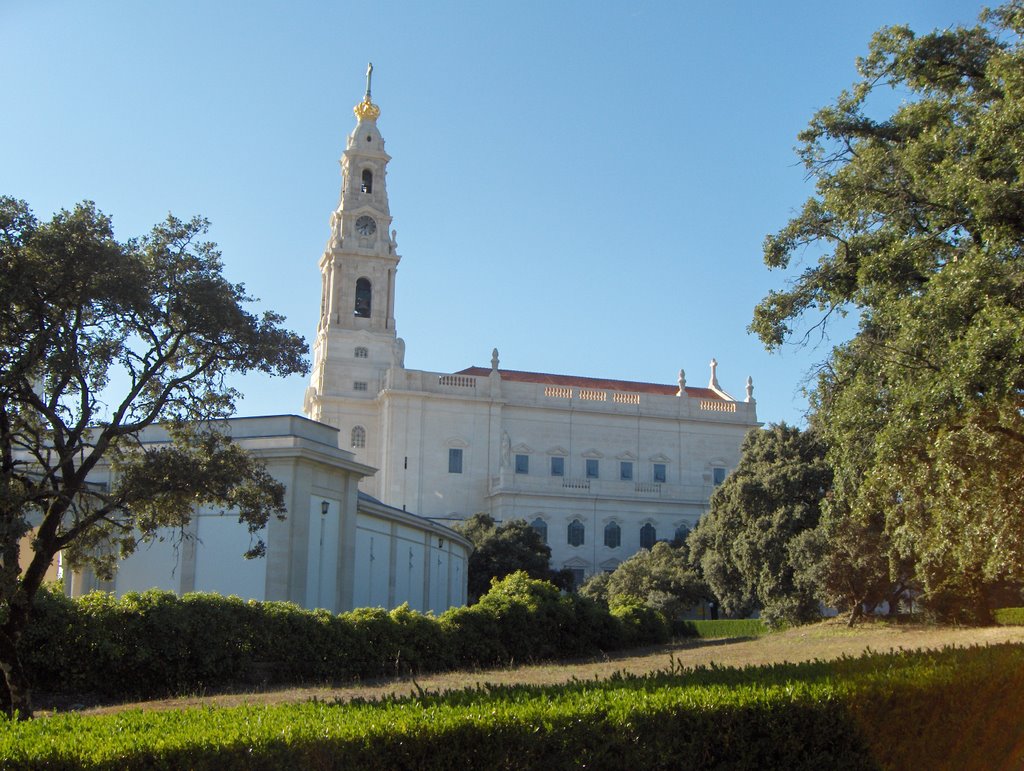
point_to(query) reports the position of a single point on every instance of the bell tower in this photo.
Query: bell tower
(356, 343)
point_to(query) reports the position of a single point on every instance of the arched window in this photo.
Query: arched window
(359, 437)
(541, 527)
(682, 532)
(612, 535)
(367, 186)
(363, 293)
(648, 536)
(362, 353)
(575, 533)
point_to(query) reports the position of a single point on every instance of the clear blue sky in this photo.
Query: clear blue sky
(583, 185)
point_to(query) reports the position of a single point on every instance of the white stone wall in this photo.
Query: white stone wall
(354, 555)
(414, 422)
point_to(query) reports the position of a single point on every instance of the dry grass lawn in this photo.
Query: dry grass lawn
(826, 640)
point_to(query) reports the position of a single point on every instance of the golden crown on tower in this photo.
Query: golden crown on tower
(366, 110)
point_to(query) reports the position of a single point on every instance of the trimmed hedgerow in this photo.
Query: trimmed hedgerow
(155, 643)
(963, 706)
(726, 627)
(1009, 616)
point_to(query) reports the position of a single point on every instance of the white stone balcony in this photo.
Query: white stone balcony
(537, 484)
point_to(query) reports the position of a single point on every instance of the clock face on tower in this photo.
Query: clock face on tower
(365, 226)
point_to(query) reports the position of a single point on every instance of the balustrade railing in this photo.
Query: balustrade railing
(459, 381)
(715, 406)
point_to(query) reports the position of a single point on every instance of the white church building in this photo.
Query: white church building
(600, 467)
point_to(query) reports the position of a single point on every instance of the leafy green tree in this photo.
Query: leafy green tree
(98, 340)
(499, 550)
(917, 225)
(660, 578)
(744, 544)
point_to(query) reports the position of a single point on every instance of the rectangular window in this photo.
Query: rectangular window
(578, 577)
(626, 470)
(454, 460)
(719, 475)
(659, 472)
(558, 467)
(359, 385)
(592, 468)
(522, 464)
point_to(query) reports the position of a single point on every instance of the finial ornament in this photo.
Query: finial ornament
(494, 359)
(367, 110)
(713, 383)
(682, 382)
(750, 388)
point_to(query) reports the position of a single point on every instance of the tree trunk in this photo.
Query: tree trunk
(15, 696)
(855, 614)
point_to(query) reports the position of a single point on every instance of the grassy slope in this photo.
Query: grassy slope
(827, 640)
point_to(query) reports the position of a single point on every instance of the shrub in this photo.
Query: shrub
(1009, 616)
(154, 643)
(641, 624)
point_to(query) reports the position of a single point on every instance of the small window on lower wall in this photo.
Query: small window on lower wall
(626, 470)
(455, 460)
(592, 468)
(659, 472)
(579, 575)
(718, 475)
(575, 534)
(541, 527)
(522, 464)
(558, 467)
(648, 536)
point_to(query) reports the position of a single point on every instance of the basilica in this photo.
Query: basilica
(601, 468)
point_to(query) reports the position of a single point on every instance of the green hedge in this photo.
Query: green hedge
(726, 627)
(957, 708)
(155, 643)
(1009, 616)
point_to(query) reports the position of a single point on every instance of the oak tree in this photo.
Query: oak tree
(744, 546)
(917, 227)
(100, 339)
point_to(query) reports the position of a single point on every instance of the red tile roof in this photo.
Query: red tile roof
(592, 382)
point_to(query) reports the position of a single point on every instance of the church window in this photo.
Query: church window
(648, 536)
(558, 467)
(367, 186)
(719, 475)
(576, 531)
(363, 294)
(659, 472)
(579, 575)
(681, 534)
(625, 470)
(362, 353)
(612, 535)
(592, 468)
(455, 460)
(359, 437)
(522, 464)
(359, 385)
(541, 527)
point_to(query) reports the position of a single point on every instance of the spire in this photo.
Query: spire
(366, 109)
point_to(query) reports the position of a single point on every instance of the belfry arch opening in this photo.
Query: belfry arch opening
(364, 292)
(367, 186)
